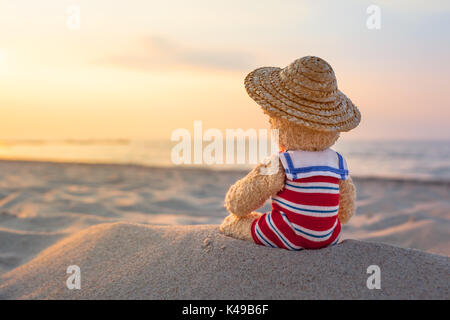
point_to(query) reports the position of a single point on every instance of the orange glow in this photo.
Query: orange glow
(129, 73)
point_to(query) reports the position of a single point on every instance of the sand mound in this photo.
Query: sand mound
(131, 261)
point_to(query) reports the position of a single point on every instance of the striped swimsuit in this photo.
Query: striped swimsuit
(305, 212)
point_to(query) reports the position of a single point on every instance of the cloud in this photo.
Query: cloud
(156, 53)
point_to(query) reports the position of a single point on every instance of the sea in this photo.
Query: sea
(402, 159)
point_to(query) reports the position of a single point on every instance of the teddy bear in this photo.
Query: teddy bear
(309, 185)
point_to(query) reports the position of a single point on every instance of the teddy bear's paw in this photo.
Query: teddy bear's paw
(239, 228)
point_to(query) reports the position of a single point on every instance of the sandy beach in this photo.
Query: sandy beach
(124, 125)
(52, 204)
(133, 261)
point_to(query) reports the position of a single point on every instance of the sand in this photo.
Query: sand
(42, 204)
(132, 261)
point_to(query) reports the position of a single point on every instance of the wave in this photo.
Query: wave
(231, 170)
(430, 181)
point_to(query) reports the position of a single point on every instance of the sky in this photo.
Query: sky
(141, 69)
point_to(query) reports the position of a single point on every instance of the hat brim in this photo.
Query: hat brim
(265, 87)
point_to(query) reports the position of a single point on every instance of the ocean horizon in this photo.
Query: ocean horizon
(398, 159)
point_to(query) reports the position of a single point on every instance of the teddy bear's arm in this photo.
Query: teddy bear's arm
(250, 193)
(347, 196)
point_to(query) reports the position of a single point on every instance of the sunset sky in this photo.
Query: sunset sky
(140, 69)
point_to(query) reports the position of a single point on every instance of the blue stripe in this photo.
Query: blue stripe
(274, 229)
(313, 235)
(262, 237)
(335, 242)
(341, 165)
(307, 210)
(287, 156)
(292, 170)
(319, 168)
(299, 187)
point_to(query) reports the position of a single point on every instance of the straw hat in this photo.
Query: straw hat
(306, 93)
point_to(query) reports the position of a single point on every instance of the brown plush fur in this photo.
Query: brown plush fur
(255, 188)
(239, 227)
(250, 192)
(347, 196)
(296, 137)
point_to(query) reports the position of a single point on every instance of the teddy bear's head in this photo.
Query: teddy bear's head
(297, 137)
(306, 93)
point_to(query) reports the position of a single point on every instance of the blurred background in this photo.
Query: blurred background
(108, 81)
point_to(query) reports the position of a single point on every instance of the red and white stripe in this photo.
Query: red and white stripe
(304, 215)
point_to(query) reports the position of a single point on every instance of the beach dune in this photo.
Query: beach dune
(135, 261)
